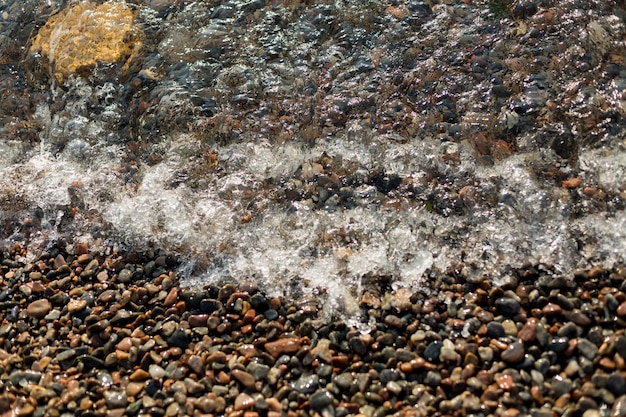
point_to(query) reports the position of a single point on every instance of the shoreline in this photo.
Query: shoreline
(94, 335)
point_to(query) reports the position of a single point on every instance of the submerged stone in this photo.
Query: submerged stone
(80, 36)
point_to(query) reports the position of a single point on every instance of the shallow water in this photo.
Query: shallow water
(313, 148)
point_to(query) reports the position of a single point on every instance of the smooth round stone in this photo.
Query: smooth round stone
(620, 345)
(432, 378)
(514, 353)
(196, 364)
(394, 387)
(306, 384)
(569, 330)
(22, 378)
(258, 370)
(393, 321)
(198, 320)
(357, 345)
(558, 344)
(244, 378)
(74, 306)
(280, 346)
(448, 354)
(53, 315)
(587, 349)
(418, 336)
(156, 371)
(572, 368)
(124, 276)
(25, 410)
(172, 410)
(508, 306)
(616, 384)
(433, 350)
(206, 405)
(495, 330)
(343, 381)
(134, 388)
(485, 353)
(619, 407)
(115, 399)
(193, 387)
(65, 355)
(178, 339)
(243, 402)
(528, 333)
(168, 328)
(509, 327)
(139, 375)
(321, 399)
(561, 386)
(39, 308)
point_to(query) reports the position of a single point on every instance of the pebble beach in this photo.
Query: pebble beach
(91, 334)
(289, 208)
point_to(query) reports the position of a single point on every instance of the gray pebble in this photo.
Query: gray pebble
(433, 350)
(258, 370)
(22, 378)
(508, 306)
(619, 407)
(569, 330)
(587, 349)
(514, 353)
(343, 381)
(616, 384)
(306, 384)
(115, 399)
(65, 355)
(124, 276)
(321, 399)
(432, 378)
(495, 330)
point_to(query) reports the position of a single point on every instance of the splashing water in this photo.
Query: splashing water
(314, 150)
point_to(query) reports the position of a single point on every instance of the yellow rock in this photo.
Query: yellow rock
(80, 36)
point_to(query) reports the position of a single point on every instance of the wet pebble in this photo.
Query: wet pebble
(115, 399)
(38, 308)
(514, 353)
(321, 399)
(243, 401)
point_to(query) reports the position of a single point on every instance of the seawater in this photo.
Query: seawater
(214, 191)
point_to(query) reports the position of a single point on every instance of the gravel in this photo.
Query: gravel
(151, 347)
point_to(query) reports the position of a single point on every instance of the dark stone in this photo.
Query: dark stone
(495, 330)
(569, 330)
(557, 344)
(210, 305)
(21, 378)
(321, 399)
(432, 378)
(616, 384)
(178, 339)
(357, 345)
(387, 375)
(564, 145)
(432, 350)
(193, 298)
(509, 306)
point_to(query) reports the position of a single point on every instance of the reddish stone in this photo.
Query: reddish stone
(171, 297)
(528, 333)
(280, 346)
(198, 320)
(552, 309)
